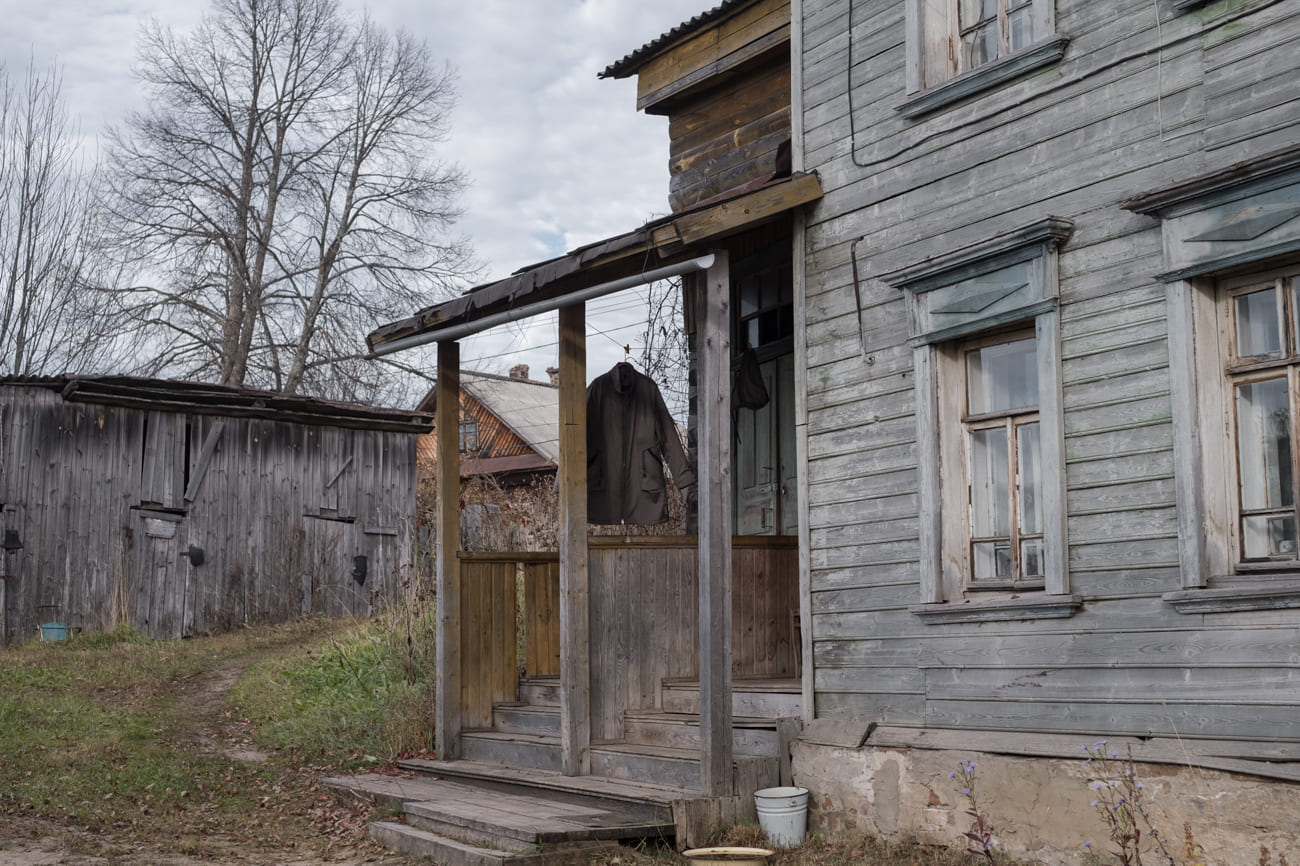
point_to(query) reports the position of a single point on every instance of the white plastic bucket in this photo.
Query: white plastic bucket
(783, 815)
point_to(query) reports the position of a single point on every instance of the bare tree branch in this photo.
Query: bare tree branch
(282, 186)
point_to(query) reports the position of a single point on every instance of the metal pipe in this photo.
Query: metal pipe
(455, 332)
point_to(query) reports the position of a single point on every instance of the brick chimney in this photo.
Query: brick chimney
(554, 373)
(519, 371)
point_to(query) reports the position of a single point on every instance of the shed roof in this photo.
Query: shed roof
(207, 399)
(632, 62)
(668, 240)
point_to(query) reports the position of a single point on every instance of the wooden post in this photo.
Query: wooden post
(575, 623)
(713, 339)
(448, 712)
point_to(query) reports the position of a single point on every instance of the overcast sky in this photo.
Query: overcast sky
(556, 157)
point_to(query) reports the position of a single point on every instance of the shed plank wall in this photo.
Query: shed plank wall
(96, 493)
(1118, 116)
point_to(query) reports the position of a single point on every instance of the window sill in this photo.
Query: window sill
(1227, 600)
(983, 78)
(1037, 606)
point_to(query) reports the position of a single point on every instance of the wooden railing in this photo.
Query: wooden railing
(643, 622)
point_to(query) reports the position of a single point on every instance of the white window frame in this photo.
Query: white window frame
(935, 74)
(939, 337)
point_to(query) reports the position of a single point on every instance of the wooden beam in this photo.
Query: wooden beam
(205, 460)
(730, 216)
(447, 713)
(714, 346)
(575, 624)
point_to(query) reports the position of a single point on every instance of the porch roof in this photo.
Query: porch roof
(663, 242)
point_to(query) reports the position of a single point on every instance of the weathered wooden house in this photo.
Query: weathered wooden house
(507, 431)
(183, 508)
(1022, 282)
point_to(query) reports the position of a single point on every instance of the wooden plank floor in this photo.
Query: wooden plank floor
(530, 815)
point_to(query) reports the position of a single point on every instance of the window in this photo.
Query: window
(990, 440)
(1003, 462)
(957, 48)
(1231, 242)
(1263, 377)
(468, 437)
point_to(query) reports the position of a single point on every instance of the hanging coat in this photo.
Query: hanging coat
(630, 436)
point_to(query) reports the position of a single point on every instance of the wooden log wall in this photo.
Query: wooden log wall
(110, 501)
(1131, 108)
(726, 90)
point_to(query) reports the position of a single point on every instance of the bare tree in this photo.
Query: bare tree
(281, 186)
(51, 318)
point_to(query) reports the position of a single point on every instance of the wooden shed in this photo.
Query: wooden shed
(184, 508)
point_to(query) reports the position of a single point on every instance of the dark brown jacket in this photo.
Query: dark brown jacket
(630, 436)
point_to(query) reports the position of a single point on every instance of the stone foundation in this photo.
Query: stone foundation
(1040, 808)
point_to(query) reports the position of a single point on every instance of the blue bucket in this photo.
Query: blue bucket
(54, 631)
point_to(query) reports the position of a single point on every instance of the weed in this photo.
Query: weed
(1120, 805)
(979, 838)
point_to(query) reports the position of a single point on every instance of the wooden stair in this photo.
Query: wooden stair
(462, 814)
(658, 745)
(507, 801)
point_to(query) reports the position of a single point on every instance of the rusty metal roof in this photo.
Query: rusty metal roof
(632, 62)
(530, 409)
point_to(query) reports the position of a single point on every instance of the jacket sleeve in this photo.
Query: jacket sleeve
(673, 452)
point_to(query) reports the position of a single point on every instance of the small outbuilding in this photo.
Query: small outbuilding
(184, 508)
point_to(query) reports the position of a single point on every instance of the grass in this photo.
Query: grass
(128, 739)
(120, 745)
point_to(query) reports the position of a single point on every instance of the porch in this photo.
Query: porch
(505, 796)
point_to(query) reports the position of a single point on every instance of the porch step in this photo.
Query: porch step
(526, 719)
(750, 736)
(767, 699)
(535, 751)
(491, 821)
(643, 794)
(677, 766)
(540, 691)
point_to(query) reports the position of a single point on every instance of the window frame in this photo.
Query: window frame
(939, 338)
(469, 430)
(935, 30)
(1200, 228)
(1009, 420)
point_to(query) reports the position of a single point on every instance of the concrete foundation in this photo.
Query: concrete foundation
(1040, 808)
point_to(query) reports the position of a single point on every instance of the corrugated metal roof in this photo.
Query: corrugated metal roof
(632, 62)
(209, 399)
(530, 409)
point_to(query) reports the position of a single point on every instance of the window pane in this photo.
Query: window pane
(1264, 444)
(974, 11)
(1002, 378)
(1268, 536)
(1259, 327)
(1020, 23)
(992, 560)
(990, 498)
(1029, 480)
(980, 45)
(1031, 559)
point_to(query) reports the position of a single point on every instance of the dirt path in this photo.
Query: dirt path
(336, 832)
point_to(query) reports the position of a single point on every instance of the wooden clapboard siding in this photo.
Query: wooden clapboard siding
(1120, 114)
(109, 499)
